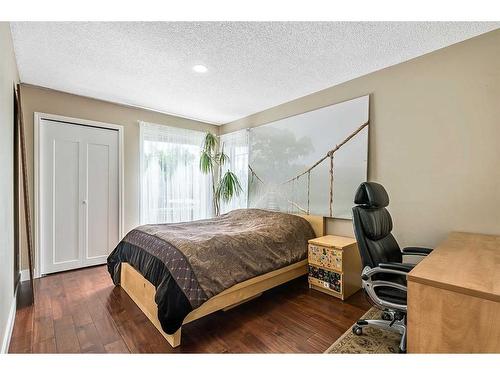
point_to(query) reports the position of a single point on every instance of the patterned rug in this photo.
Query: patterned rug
(373, 340)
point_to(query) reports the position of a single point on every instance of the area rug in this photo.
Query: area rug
(373, 340)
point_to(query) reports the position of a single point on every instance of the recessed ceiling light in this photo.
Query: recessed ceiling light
(200, 68)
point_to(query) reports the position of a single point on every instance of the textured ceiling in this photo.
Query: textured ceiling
(251, 66)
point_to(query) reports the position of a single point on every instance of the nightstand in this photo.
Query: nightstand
(334, 265)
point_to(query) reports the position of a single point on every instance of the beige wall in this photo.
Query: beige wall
(8, 78)
(36, 99)
(434, 139)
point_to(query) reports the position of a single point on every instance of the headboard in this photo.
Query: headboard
(318, 224)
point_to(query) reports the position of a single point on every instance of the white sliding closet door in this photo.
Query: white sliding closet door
(79, 195)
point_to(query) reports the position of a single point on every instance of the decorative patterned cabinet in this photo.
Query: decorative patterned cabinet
(334, 265)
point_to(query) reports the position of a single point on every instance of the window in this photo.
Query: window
(236, 147)
(173, 189)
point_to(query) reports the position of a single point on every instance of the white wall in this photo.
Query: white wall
(8, 78)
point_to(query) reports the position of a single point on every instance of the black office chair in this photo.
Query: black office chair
(384, 273)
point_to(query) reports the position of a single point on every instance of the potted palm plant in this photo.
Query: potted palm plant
(212, 160)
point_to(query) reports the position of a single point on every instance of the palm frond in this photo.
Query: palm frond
(228, 187)
(206, 162)
(210, 143)
(222, 158)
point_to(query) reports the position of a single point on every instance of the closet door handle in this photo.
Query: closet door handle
(84, 201)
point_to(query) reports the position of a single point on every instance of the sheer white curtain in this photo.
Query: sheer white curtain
(173, 188)
(236, 147)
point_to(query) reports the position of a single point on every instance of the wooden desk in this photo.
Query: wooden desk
(454, 297)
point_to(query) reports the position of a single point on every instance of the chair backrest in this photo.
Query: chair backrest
(373, 225)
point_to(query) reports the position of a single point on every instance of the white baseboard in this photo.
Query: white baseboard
(25, 274)
(10, 326)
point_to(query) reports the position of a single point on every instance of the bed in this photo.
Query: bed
(177, 273)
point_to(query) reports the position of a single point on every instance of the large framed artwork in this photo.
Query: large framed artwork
(311, 163)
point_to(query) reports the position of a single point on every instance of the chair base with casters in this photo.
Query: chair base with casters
(396, 322)
(392, 303)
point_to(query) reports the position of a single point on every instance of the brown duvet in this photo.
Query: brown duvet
(190, 262)
(237, 246)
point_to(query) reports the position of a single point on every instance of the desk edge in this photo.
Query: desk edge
(455, 288)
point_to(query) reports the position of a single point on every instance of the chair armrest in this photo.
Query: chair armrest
(415, 250)
(392, 268)
(370, 285)
(405, 267)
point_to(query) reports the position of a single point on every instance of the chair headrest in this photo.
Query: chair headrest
(371, 194)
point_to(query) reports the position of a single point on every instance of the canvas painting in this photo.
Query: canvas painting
(290, 169)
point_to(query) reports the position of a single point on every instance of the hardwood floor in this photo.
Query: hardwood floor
(83, 312)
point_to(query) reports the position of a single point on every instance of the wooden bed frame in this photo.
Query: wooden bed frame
(143, 292)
